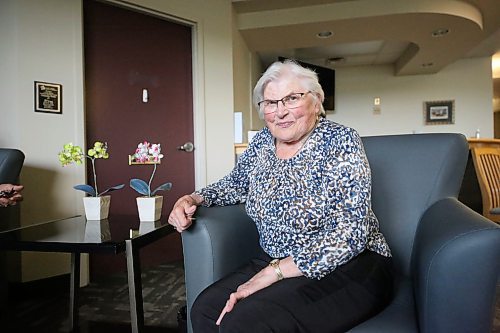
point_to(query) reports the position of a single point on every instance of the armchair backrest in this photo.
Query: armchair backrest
(409, 174)
(11, 162)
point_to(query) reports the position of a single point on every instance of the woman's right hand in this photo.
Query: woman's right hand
(181, 216)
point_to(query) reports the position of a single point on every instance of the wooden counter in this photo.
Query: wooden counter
(473, 142)
(239, 148)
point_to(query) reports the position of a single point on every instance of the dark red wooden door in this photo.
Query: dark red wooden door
(125, 53)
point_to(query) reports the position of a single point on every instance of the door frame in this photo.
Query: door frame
(198, 68)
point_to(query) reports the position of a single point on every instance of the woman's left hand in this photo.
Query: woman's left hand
(266, 277)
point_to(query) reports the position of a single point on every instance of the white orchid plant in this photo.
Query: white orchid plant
(147, 153)
(74, 154)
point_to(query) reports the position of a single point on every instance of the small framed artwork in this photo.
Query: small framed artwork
(48, 97)
(439, 112)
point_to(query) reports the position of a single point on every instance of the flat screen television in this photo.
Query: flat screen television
(326, 78)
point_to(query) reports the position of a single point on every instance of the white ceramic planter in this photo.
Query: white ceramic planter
(97, 208)
(149, 208)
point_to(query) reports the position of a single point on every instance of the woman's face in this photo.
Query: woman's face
(290, 125)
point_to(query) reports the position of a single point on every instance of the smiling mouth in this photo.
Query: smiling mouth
(285, 124)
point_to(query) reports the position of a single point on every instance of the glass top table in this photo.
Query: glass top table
(75, 235)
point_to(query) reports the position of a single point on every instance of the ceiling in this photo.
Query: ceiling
(415, 36)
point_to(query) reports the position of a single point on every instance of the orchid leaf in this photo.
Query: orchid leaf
(163, 187)
(113, 188)
(140, 186)
(86, 188)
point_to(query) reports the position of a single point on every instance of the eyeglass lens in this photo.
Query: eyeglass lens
(291, 101)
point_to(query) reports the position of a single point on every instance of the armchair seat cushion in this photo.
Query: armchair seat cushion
(399, 316)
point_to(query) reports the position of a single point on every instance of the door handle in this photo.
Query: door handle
(187, 147)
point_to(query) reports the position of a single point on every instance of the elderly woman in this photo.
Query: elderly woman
(305, 181)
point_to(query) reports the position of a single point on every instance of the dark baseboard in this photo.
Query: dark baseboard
(38, 288)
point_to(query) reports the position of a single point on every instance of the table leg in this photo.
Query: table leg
(74, 285)
(134, 287)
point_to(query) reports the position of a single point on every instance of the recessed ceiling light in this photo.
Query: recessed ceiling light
(427, 64)
(440, 32)
(334, 60)
(324, 34)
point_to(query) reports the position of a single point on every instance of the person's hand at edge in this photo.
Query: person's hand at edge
(10, 194)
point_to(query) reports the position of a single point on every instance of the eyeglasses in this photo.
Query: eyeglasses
(291, 101)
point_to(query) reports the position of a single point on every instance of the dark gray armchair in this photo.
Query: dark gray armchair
(447, 257)
(11, 162)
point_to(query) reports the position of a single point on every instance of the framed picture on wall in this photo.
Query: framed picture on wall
(439, 112)
(48, 97)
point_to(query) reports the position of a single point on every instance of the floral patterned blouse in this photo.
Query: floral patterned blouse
(314, 206)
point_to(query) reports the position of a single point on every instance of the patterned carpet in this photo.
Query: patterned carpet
(496, 322)
(104, 304)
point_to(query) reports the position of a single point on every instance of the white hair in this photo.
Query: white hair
(307, 77)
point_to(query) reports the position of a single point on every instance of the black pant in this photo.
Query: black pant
(346, 297)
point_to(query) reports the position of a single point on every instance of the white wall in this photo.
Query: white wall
(242, 78)
(8, 66)
(41, 41)
(247, 69)
(468, 82)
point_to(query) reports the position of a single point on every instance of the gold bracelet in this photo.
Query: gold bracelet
(275, 263)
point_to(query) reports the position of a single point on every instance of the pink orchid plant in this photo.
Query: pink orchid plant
(147, 153)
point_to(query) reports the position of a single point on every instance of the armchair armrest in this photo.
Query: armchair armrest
(456, 262)
(220, 240)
